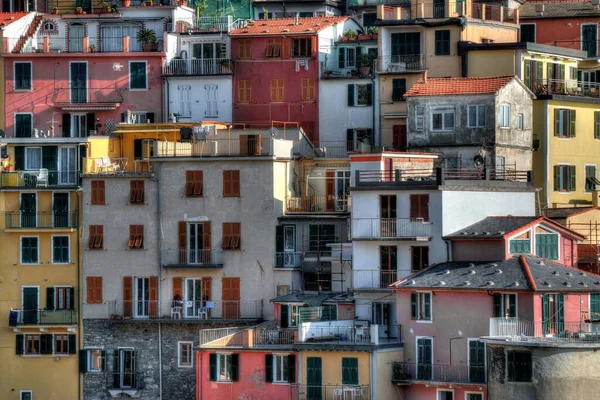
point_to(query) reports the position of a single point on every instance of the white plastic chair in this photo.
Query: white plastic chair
(42, 179)
(176, 312)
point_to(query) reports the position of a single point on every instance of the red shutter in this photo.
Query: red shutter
(330, 189)
(424, 207)
(198, 183)
(235, 183)
(206, 241)
(101, 196)
(94, 199)
(226, 183)
(286, 48)
(178, 287)
(414, 206)
(226, 235)
(314, 51)
(153, 297)
(127, 296)
(98, 296)
(182, 242)
(189, 183)
(132, 231)
(236, 234)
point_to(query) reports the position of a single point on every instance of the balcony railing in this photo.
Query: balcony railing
(353, 334)
(374, 3)
(409, 372)
(330, 392)
(288, 259)
(256, 146)
(487, 12)
(87, 95)
(318, 204)
(41, 220)
(184, 310)
(89, 44)
(42, 317)
(589, 46)
(415, 62)
(391, 228)
(193, 66)
(125, 380)
(373, 279)
(568, 87)
(274, 337)
(116, 166)
(578, 331)
(207, 24)
(210, 335)
(200, 258)
(41, 178)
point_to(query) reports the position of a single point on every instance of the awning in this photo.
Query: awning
(394, 116)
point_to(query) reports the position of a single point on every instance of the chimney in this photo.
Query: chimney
(425, 76)
(296, 19)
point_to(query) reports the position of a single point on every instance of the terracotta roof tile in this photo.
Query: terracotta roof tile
(457, 86)
(8, 18)
(286, 26)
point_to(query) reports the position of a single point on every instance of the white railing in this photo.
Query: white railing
(390, 228)
(209, 335)
(196, 66)
(578, 331)
(373, 279)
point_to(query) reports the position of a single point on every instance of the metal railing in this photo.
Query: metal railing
(194, 66)
(41, 219)
(566, 87)
(373, 279)
(87, 95)
(333, 148)
(215, 147)
(330, 392)
(372, 3)
(415, 62)
(589, 46)
(487, 12)
(427, 175)
(207, 24)
(390, 228)
(578, 331)
(407, 372)
(89, 44)
(288, 259)
(185, 309)
(336, 334)
(192, 258)
(125, 380)
(46, 317)
(274, 337)
(210, 335)
(39, 178)
(318, 204)
(106, 165)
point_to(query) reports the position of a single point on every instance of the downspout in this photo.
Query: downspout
(166, 107)
(158, 233)
(160, 357)
(373, 379)
(547, 152)
(80, 283)
(463, 53)
(447, 250)
(376, 136)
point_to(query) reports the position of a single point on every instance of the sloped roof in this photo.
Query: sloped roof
(7, 18)
(523, 273)
(566, 212)
(314, 299)
(287, 26)
(558, 10)
(458, 86)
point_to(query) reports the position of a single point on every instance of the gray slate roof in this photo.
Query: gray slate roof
(558, 10)
(314, 299)
(553, 213)
(507, 275)
(491, 228)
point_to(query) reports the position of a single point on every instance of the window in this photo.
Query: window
(60, 249)
(49, 26)
(565, 178)
(442, 118)
(224, 367)
(419, 207)
(29, 250)
(473, 396)
(32, 344)
(276, 87)
(308, 89)
(274, 48)
(597, 124)
(442, 43)
(94, 289)
(22, 76)
(564, 123)
(590, 178)
(505, 305)
(301, 47)
(360, 95)
(96, 360)
(25, 395)
(520, 121)
(504, 117)
(521, 244)
(61, 343)
(245, 49)
(267, 15)
(319, 236)
(546, 244)
(347, 57)
(23, 125)
(405, 44)
(33, 158)
(476, 116)
(211, 95)
(136, 237)
(518, 365)
(231, 236)
(136, 192)
(349, 371)
(194, 183)
(369, 19)
(96, 240)
(280, 368)
(398, 89)
(137, 75)
(527, 32)
(185, 355)
(60, 298)
(419, 118)
(420, 258)
(443, 394)
(98, 193)
(244, 91)
(283, 290)
(476, 358)
(420, 306)
(231, 183)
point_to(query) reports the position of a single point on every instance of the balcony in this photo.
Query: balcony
(568, 87)
(248, 146)
(185, 311)
(42, 317)
(330, 392)
(391, 229)
(375, 3)
(318, 204)
(549, 331)
(222, 24)
(487, 12)
(90, 98)
(374, 279)
(288, 259)
(90, 44)
(406, 373)
(193, 66)
(117, 166)
(41, 220)
(589, 46)
(192, 259)
(338, 148)
(128, 383)
(401, 64)
(39, 179)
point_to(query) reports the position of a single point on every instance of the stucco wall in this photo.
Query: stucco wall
(382, 374)
(332, 365)
(198, 97)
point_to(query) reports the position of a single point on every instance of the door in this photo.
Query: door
(439, 9)
(79, 125)
(553, 314)
(60, 210)
(594, 306)
(381, 317)
(388, 169)
(289, 246)
(424, 359)
(195, 243)
(231, 298)
(342, 189)
(124, 369)
(78, 82)
(589, 39)
(30, 305)
(76, 33)
(387, 214)
(142, 297)
(476, 361)
(28, 210)
(388, 264)
(399, 141)
(67, 166)
(314, 376)
(193, 297)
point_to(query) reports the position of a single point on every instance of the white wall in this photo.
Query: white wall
(198, 97)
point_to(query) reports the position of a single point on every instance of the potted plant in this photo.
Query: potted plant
(350, 34)
(362, 35)
(92, 48)
(55, 11)
(183, 3)
(372, 30)
(125, 3)
(78, 10)
(225, 66)
(365, 62)
(147, 37)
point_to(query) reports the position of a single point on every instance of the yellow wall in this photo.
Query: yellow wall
(384, 359)
(504, 62)
(498, 32)
(332, 365)
(389, 106)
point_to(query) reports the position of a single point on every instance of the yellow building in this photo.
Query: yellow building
(39, 268)
(425, 36)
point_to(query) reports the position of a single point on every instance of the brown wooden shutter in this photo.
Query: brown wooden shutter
(178, 287)
(236, 235)
(94, 199)
(198, 183)
(90, 289)
(304, 89)
(257, 145)
(92, 236)
(153, 297)
(330, 189)
(136, 191)
(226, 235)
(132, 231)
(206, 291)
(243, 145)
(99, 244)
(424, 207)
(206, 241)
(182, 242)
(314, 48)
(98, 295)
(414, 206)
(127, 296)
(189, 183)
(101, 193)
(287, 44)
(235, 183)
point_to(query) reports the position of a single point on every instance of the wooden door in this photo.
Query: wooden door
(231, 298)
(314, 378)
(330, 190)
(399, 141)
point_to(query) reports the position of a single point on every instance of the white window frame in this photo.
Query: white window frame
(469, 340)
(534, 32)
(468, 393)
(283, 370)
(296, 313)
(356, 97)
(419, 118)
(180, 345)
(21, 250)
(568, 189)
(22, 392)
(228, 358)
(129, 76)
(479, 116)
(30, 76)
(504, 116)
(27, 157)
(89, 358)
(49, 29)
(551, 232)
(136, 117)
(443, 110)
(349, 62)
(418, 316)
(520, 121)
(52, 250)
(66, 300)
(438, 391)
(15, 123)
(54, 343)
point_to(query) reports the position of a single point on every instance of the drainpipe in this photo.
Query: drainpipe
(166, 107)
(373, 379)
(158, 233)
(80, 283)
(447, 250)
(160, 358)
(376, 136)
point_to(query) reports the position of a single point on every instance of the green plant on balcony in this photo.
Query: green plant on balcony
(79, 11)
(55, 11)
(225, 65)
(350, 34)
(364, 35)
(372, 30)
(365, 62)
(147, 37)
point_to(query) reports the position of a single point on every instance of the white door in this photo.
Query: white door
(193, 297)
(211, 101)
(67, 166)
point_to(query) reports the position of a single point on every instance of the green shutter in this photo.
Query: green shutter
(556, 122)
(573, 180)
(268, 368)
(512, 304)
(83, 361)
(285, 312)
(341, 57)
(351, 95)
(414, 309)
(596, 122)
(349, 371)
(556, 178)
(545, 313)
(103, 359)
(212, 361)
(45, 344)
(50, 298)
(235, 367)
(594, 306)
(498, 305)
(369, 94)
(19, 158)
(292, 368)
(572, 119)
(560, 299)
(72, 344)
(427, 298)
(527, 81)
(66, 125)
(19, 346)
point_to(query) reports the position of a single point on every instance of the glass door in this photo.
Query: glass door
(78, 82)
(289, 246)
(28, 210)
(30, 305)
(193, 297)
(79, 125)
(424, 359)
(67, 161)
(76, 33)
(60, 210)
(195, 243)
(125, 369)
(142, 297)
(381, 317)
(342, 189)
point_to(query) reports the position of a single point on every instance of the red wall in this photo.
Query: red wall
(260, 70)
(550, 30)
(251, 384)
(50, 72)
(422, 392)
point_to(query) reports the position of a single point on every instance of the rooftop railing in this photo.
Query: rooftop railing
(42, 178)
(330, 392)
(397, 63)
(547, 331)
(409, 372)
(207, 24)
(89, 44)
(489, 12)
(193, 66)
(373, 279)
(565, 87)
(318, 204)
(253, 146)
(374, 3)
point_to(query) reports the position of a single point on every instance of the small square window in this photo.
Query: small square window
(185, 355)
(442, 119)
(519, 366)
(60, 249)
(95, 360)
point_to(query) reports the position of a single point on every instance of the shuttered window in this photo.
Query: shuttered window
(60, 249)
(245, 49)
(231, 235)
(565, 178)
(308, 89)
(276, 87)
(520, 246)
(61, 344)
(224, 367)
(22, 76)
(94, 289)
(273, 48)
(231, 183)
(244, 91)
(519, 366)
(564, 123)
(546, 245)
(136, 237)
(136, 192)
(349, 371)
(29, 250)
(96, 240)
(302, 47)
(137, 75)
(419, 206)
(193, 183)
(98, 193)
(420, 306)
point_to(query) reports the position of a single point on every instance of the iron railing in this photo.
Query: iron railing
(330, 392)
(288, 259)
(45, 317)
(192, 258)
(372, 3)
(373, 279)
(42, 178)
(357, 334)
(415, 62)
(215, 147)
(318, 204)
(207, 24)
(408, 372)
(565, 87)
(125, 380)
(275, 337)
(577, 331)
(87, 95)
(440, 176)
(41, 219)
(185, 309)
(193, 66)
(391, 228)
(487, 12)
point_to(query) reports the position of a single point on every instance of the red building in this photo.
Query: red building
(277, 64)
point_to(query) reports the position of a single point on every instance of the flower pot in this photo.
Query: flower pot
(365, 71)
(374, 37)
(55, 12)
(364, 37)
(345, 38)
(125, 3)
(148, 47)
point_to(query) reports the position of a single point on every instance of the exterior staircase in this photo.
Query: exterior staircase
(33, 27)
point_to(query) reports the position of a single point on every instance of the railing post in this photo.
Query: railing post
(483, 11)
(125, 44)
(501, 14)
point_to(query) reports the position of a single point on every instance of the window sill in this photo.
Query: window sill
(23, 90)
(23, 263)
(138, 90)
(281, 383)
(185, 366)
(223, 381)
(424, 321)
(61, 263)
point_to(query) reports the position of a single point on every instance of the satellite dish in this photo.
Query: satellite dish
(478, 161)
